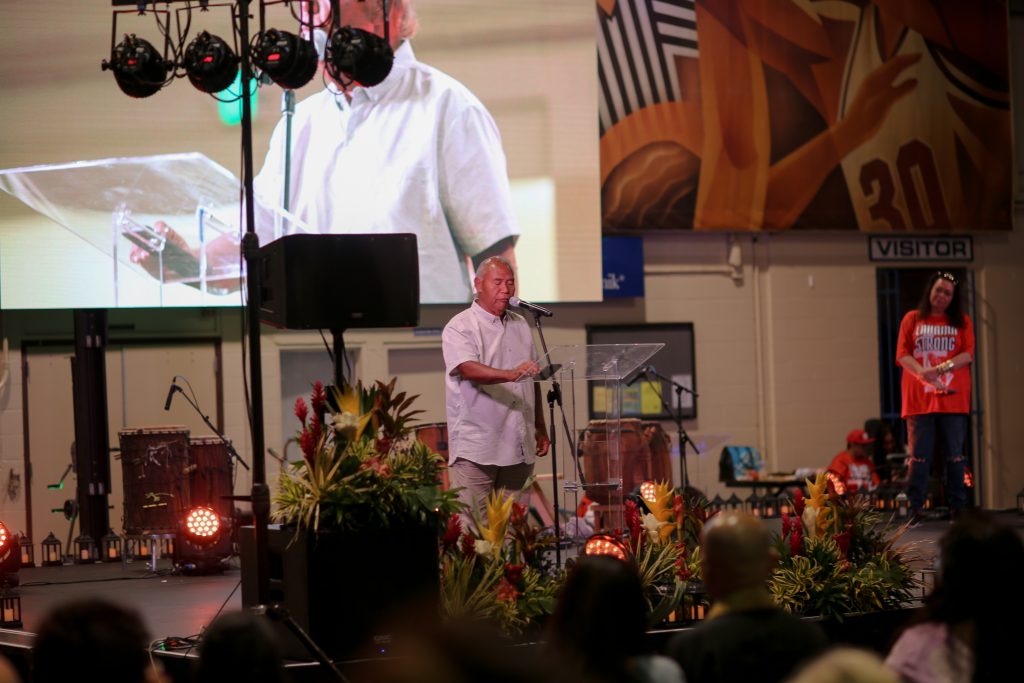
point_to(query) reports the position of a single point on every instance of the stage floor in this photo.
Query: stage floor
(179, 606)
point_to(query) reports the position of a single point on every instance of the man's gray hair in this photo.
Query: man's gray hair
(493, 262)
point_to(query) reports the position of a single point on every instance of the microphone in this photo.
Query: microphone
(170, 395)
(516, 302)
(353, 54)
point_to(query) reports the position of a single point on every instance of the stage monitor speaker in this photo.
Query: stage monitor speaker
(340, 282)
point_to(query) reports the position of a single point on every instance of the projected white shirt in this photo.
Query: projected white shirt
(418, 153)
(489, 424)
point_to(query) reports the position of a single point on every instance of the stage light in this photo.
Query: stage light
(649, 492)
(202, 526)
(10, 557)
(210, 63)
(138, 68)
(203, 542)
(286, 59)
(603, 544)
(52, 551)
(357, 55)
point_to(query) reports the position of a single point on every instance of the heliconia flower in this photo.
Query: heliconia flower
(798, 502)
(318, 398)
(301, 411)
(452, 533)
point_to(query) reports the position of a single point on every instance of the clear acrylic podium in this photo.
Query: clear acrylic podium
(595, 372)
(113, 204)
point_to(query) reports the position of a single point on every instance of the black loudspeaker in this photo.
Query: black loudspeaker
(340, 282)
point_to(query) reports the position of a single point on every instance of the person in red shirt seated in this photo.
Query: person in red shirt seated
(852, 469)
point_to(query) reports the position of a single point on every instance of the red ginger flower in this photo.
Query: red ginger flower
(468, 544)
(301, 411)
(798, 503)
(506, 591)
(678, 508)
(307, 442)
(318, 398)
(796, 541)
(514, 573)
(452, 533)
(518, 514)
(633, 522)
(786, 521)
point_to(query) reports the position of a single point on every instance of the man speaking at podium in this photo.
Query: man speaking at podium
(416, 153)
(495, 424)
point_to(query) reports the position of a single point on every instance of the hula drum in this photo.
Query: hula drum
(661, 445)
(209, 474)
(634, 461)
(153, 464)
(435, 436)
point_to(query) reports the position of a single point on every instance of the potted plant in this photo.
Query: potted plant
(359, 516)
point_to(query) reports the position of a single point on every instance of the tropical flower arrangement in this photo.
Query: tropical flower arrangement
(494, 569)
(837, 556)
(361, 468)
(663, 542)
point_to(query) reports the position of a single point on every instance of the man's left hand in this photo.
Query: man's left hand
(543, 444)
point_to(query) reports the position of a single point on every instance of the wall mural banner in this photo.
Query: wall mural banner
(871, 115)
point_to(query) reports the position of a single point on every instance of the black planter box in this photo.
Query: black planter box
(345, 589)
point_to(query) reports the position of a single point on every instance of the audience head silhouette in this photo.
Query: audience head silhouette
(737, 553)
(93, 639)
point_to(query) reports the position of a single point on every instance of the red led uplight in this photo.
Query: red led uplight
(202, 525)
(603, 544)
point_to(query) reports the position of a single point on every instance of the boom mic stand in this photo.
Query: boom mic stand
(206, 419)
(677, 417)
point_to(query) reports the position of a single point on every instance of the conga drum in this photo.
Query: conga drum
(154, 462)
(209, 469)
(435, 436)
(660, 444)
(598, 468)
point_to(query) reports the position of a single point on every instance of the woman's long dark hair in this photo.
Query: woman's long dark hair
(979, 582)
(954, 312)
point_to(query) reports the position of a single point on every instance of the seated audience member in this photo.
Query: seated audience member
(846, 665)
(969, 629)
(853, 467)
(93, 640)
(239, 646)
(598, 630)
(745, 637)
(886, 443)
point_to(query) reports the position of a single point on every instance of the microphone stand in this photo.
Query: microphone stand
(226, 441)
(677, 417)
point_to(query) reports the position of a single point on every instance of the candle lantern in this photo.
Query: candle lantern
(28, 552)
(52, 551)
(86, 550)
(111, 545)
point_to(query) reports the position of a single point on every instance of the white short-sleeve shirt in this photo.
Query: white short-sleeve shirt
(489, 424)
(417, 153)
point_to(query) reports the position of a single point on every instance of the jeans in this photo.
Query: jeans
(922, 432)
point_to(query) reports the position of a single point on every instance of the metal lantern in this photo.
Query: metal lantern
(111, 544)
(753, 504)
(86, 551)
(717, 504)
(929, 501)
(52, 551)
(10, 609)
(28, 553)
(734, 503)
(769, 506)
(902, 505)
(137, 547)
(166, 547)
(783, 504)
(695, 601)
